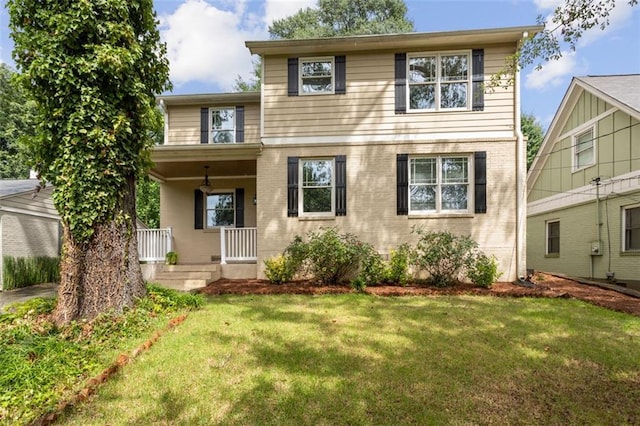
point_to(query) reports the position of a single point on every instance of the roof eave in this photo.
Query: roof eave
(403, 41)
(209, 98)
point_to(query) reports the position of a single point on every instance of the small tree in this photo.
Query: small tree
(93, 69)
(534, 133)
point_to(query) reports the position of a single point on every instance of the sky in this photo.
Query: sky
(206, 51)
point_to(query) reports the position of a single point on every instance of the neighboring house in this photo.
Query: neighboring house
(584, 184)
(29, 226)
(374, 135)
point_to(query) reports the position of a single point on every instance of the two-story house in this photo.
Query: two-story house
(374, 135)
(584, 184)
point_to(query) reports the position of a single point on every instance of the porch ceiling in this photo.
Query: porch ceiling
(187, 162)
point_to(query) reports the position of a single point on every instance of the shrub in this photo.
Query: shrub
(161, 299)
(397, 270)
(171, 258)
(279, 269)
(372, 269)
(484, 270)
(443, 255)
(20, 272)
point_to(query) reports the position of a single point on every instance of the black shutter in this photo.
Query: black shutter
(403, 185)
(240, 123)
(239, 207)
(401, 83)
(292, 77)
(341, 185)
(480, 180)
(198, 202)
(292, 186)
(341, 75)
(204, 125)
(477, 90)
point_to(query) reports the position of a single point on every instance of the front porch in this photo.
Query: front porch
(237, 260)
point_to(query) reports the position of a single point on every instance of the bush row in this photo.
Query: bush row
(20, 272)
(330, 257)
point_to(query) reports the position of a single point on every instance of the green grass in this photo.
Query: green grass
(357, 359)
(41, 364)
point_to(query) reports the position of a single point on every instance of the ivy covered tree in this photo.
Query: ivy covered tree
(16, 123)
(93, 68)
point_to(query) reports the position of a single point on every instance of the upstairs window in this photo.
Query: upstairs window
(439, 184)
(583, 150)
(439, 81)
(316, 75)
(223, 125)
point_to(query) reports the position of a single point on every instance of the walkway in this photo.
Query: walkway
(26, 293)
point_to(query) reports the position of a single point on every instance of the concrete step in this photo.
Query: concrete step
(212, 267)
(181, 284)
(186, 275)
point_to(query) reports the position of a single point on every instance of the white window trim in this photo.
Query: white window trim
(470, 186)
(211, 131)
(331, 59)
(546, 237)
(301, 188)
(574, 146)
(437, 83)
(206, 210)
(624, 228)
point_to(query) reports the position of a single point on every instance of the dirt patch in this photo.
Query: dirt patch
(544, 285)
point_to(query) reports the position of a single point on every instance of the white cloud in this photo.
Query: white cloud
(206, 43)
(552, 73)
(278, 9)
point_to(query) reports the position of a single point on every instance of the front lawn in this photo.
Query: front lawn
(358, 359)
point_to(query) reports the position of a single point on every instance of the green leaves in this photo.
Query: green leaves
(93, 69)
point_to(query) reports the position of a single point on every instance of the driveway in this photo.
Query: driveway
(23, 294)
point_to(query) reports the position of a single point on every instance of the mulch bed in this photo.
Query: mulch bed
(544, 286)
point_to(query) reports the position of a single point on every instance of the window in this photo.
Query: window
(438, 81)
(220, 209)
(439, 184)
(223, 125)
(316, 75)
(583, 150)
(553, 237)
(631, 228)
(317, 189)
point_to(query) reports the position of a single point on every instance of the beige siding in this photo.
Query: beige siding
(177, 211)
(577, 231)
(371, 199)
(368, 106)
(184, 124)
(617, 150)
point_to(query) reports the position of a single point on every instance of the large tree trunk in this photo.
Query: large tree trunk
(103, 274)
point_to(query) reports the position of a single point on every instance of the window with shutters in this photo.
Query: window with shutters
(317, 187)
(553, 237)
(631, 228)
(439, 184)
(316, 75)
(220, 209)
(439, 81)
(222, 125)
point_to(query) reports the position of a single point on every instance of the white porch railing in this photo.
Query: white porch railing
(153, 244)
(238, 245)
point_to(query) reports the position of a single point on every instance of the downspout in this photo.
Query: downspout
(165, 114)
(521, 189)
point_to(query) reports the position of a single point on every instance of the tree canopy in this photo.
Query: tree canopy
(532, 129)
(334, 18)
(16, 123)
(93, 69)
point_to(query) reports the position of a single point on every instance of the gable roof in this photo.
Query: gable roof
(10, 187)
(621, 91)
